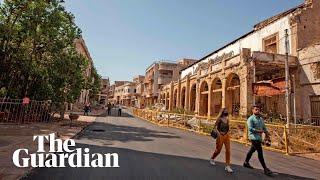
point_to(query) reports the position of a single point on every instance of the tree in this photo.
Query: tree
(94, 83)
(37, 52)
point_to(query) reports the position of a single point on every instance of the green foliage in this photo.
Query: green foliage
(94, 83)
(37, 51)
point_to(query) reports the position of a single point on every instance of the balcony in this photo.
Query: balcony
(164, 79)
(269, 59)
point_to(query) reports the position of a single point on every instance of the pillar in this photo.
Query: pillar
(209, 97)
(179, 94)
(197, 104)
(171, 96)
(224, 89)
(187, 95)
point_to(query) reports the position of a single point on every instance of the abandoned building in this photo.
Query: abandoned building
(160, 73)
(251, 70)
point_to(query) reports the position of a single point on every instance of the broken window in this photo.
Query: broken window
(315, 107)
(270, 44)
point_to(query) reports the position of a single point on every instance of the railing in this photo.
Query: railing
(14, 111)
(296, 139)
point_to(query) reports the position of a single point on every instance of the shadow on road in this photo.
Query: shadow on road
(114, 113)
(112, 132)
(145, 165)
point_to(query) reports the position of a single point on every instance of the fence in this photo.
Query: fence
(14, 111)
(296, 139)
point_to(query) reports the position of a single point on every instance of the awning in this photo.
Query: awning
(269, 88)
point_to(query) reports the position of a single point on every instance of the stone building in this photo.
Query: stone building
(111, 94)
(112, 91)
(103, 94)
(251, 70)
(138, 99)
(83, 50)
(124, 94)
(158, 74)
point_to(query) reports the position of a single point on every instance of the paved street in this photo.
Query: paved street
(147, 151)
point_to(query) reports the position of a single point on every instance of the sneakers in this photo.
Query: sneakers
(228, 169)
(247, 165)
(268, 172)
(212, 162)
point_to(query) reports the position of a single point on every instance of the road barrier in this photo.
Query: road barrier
(15, 111)
(293, 140)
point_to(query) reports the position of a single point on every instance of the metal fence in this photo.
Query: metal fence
(296, 139)
(14, 111)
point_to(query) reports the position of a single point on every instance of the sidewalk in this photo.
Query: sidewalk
(16, 136)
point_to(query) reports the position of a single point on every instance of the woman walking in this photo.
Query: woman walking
(222, 128)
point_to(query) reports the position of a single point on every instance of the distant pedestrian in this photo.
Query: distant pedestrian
(119, 111)
(86, 109)
(109, 108)
(256, 127)
(222, 128)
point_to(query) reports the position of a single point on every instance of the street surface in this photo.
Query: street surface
(147, 151)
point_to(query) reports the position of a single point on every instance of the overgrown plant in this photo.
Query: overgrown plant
(38, 58)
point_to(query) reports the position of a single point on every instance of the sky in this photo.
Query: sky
(124, 37)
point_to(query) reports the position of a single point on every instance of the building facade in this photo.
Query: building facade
(113, 93)
(125, 94)
(83, 50)
(104, 92)
(251, 70)
(139, 101)
(158, 74)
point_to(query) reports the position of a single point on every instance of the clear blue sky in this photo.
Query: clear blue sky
(126, 36)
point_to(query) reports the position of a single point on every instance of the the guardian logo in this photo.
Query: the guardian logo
(60, 155)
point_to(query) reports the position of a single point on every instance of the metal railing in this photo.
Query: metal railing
(14, 111)
(296, 139)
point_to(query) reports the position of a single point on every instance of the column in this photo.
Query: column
(171, 96)
(197, 104)
(224, 84)
(209, 97)
(187, 95)
(179, 94)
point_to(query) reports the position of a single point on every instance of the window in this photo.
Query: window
(315, 109)
(270, 43)
(315, 106)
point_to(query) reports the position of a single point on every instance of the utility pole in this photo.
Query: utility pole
(287, 79)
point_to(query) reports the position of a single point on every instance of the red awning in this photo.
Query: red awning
(269, 88)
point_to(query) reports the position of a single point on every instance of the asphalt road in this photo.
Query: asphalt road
(147, 151)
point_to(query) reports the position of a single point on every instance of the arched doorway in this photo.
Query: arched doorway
(175, 97)
(163, 98)
(233, 94)
(183, 97)
(216, 98)
(167, 101)
(193, 92)
(203, 103)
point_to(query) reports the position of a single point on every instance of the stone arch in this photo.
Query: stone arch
(216, 97)
(163, 98)
(183, 97)
(203, 103)
(193, 94)
(167, 101)
(233, 94)
(175, 98)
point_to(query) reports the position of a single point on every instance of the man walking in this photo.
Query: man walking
(119, 111)
(256, 127)
(109, 108)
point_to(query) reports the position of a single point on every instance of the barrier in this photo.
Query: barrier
(14, 111)
(296, 139)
